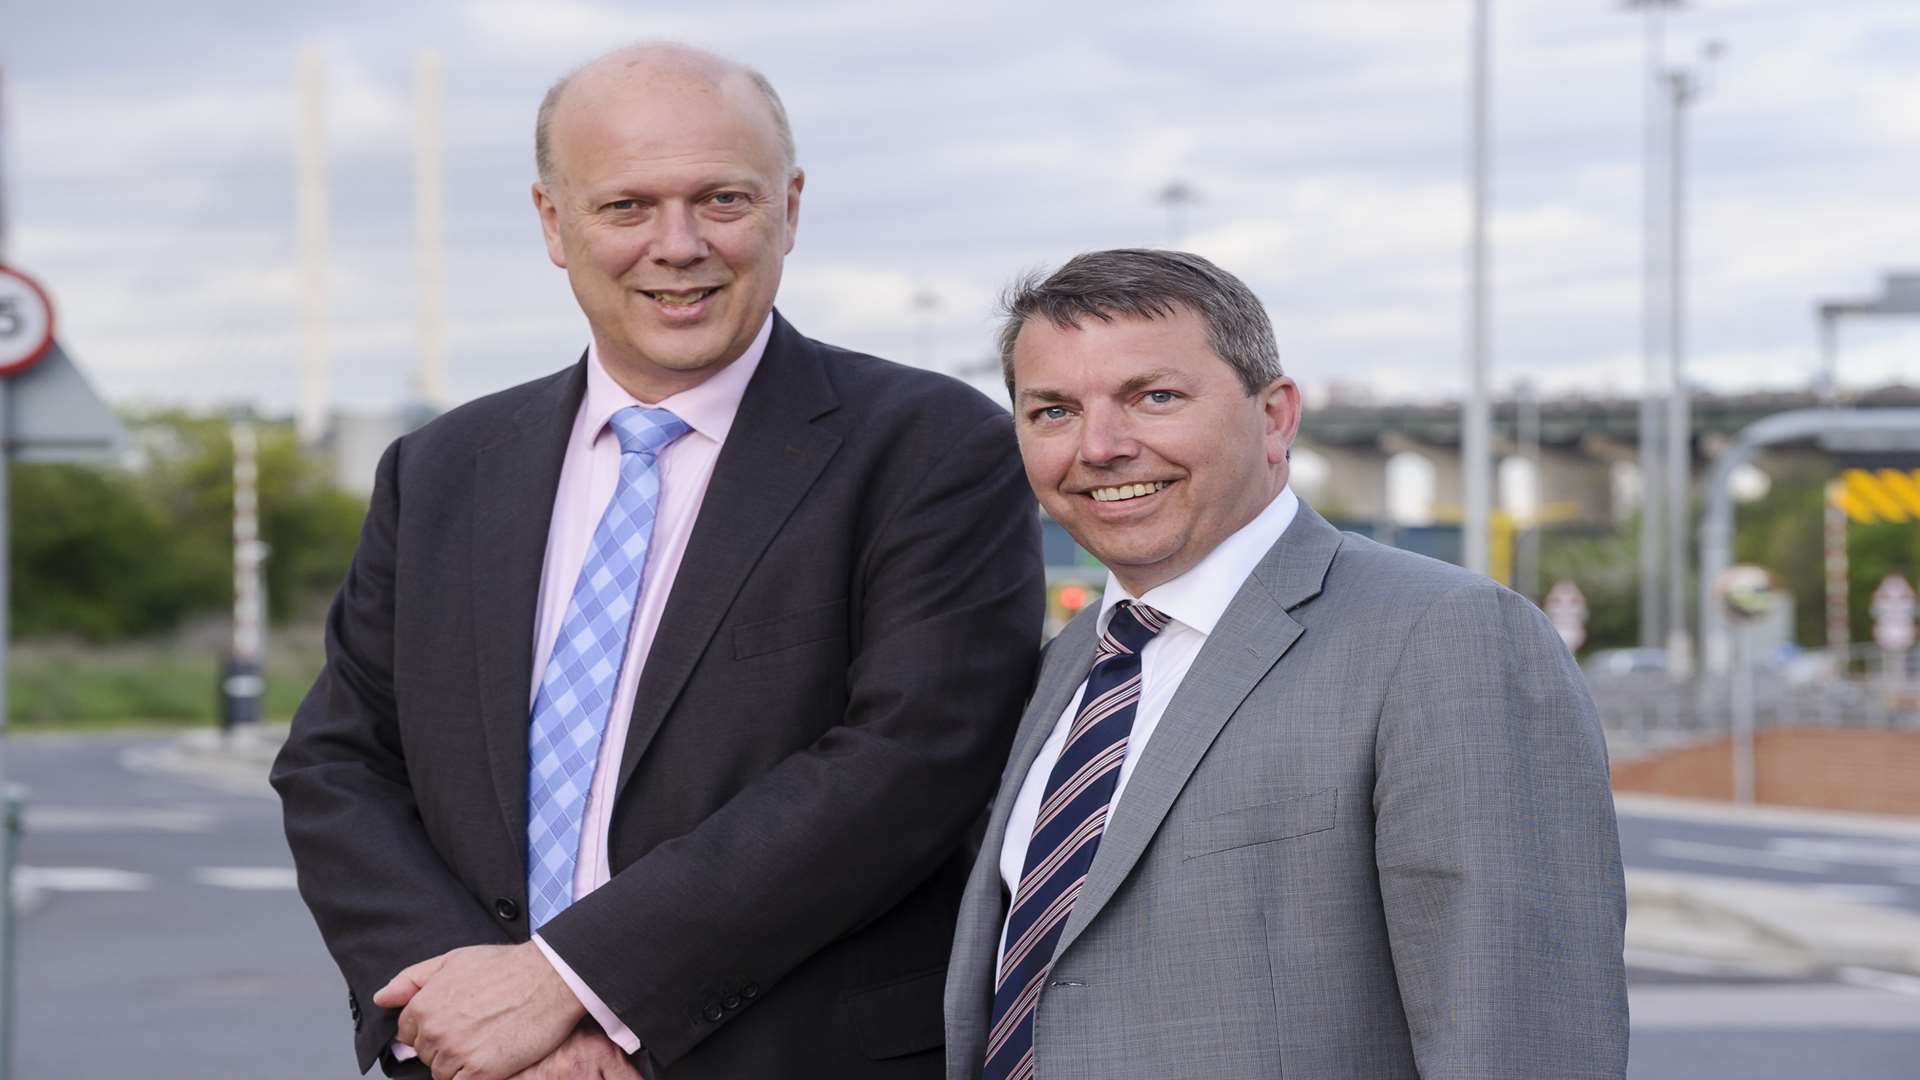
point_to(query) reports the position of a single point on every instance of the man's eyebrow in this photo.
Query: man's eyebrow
(1146, 379)
(1051, 397)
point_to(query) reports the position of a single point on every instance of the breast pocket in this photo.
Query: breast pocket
(1283, 819)
(821, 623)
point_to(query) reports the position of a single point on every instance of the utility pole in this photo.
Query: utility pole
(312, 154)
(1177, 197)
(1476, 440)
(430, 239)
(1685, 88)
(1653, 489)
(1526, 571)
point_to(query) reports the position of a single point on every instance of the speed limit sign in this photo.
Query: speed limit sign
(26, 322)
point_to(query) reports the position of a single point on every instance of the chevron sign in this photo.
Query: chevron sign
(1877, 495)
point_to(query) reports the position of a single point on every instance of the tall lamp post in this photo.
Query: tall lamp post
(1900, 295)
(1684, 87)
(1176, 197)
(1652, 493)
(1476, 420)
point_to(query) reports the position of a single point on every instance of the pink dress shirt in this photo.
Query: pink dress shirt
(587, 478)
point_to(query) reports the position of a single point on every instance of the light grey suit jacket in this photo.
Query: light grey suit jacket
(1371, 838)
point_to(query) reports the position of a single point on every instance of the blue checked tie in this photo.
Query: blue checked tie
(1072, 818)
(577, 687)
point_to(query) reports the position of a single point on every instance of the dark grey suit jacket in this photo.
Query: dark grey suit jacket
(830, 695)
(1371, 838)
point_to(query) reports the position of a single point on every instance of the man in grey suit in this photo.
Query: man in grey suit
(1286, 802)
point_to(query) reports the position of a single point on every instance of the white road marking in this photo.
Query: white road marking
(1695, 851)
(42, 819)
(1862, 894)
(80, 879)
(1796, 1007)
(1865, 852)
(246, 878)
(1682, 964)
(1881, 980)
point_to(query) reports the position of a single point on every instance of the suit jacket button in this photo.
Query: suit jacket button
(750, 991)
(731, 1003)
(714, 1013)
(506, 909)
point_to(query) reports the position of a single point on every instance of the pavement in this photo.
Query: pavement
(1674, 916)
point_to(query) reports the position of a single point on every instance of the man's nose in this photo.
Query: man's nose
(678, 241)
(1106, 436)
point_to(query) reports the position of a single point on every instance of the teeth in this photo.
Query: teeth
(1126, 491)
(682, 299)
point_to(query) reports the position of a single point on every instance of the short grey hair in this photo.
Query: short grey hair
(1143, 283)
(550, 104)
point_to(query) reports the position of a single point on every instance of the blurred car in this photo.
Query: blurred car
(1619, 663)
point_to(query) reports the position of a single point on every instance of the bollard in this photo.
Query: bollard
(241, 688)
(14, 799)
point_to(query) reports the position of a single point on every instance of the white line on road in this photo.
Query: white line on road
(116, 819)
(1859, 894)
(80, 879)
(247, 878)
(1848, 851)
(1682, 964)
(1802, 1007)
(1881, 980)
(1695, 851)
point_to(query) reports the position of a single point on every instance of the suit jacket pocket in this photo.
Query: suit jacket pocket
(1284, 819)
(817, 623)
(900, 1017)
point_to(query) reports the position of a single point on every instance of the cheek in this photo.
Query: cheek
(1046, 460)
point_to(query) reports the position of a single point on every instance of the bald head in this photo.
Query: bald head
(665, 63)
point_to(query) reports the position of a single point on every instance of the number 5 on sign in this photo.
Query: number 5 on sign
(26, 322)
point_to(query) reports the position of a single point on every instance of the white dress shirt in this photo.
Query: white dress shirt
(1193, 602)
(588, 476)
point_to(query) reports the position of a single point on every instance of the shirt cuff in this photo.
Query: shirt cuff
(401, 1051)
(609, 1023)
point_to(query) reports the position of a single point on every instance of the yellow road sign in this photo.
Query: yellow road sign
(1882, 495)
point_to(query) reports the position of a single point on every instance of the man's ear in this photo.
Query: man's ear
(549, 223)
(794, 185)
(1280, 403)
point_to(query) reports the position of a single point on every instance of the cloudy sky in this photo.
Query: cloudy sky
(149, 152)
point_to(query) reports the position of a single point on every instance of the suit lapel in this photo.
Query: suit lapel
(1067, 661)
(983, 909)
(773, 454)
(515, 479)
(1251, 637)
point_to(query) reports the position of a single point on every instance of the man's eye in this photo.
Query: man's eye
(1161, 397)
(623, 205)
(1051, 412)
(728, 198)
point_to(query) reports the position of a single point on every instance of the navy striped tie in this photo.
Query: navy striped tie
(1066, 833)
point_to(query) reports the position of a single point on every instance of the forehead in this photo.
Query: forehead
(628, 121)
(1099, 353)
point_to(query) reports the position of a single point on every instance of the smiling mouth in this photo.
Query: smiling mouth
(1123, 492)
(687, 298)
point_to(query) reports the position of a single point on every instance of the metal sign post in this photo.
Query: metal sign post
(1893, 606)
(1746, 593)
(48, 412)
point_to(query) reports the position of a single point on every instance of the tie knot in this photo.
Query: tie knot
(646, 431)
(1132, 626)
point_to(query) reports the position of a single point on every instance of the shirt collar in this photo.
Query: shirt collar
(708, 408)
(1200, 596)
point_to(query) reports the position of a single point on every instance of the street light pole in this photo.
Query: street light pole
(1652, 490)
(1684, 87)
(1476, 440)
(1176, 197)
